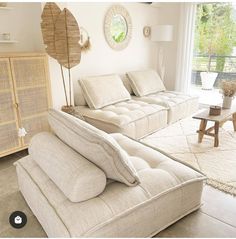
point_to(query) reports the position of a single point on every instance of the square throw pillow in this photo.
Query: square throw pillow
(95, 145)
(100, 91)
(145, 82)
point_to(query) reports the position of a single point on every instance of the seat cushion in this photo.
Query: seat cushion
(95, 145)
(77, 178)
(100, 91)
(145, 82)
(167, 191)
(179, 105)
(132, 118)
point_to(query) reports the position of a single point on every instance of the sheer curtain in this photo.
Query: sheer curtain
(185, 46)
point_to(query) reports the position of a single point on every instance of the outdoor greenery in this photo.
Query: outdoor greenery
(215, 32)
(119, 38)
(118, 28)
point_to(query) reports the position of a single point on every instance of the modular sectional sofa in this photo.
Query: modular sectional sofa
(148, 87)
(82, 182)
(136, 106)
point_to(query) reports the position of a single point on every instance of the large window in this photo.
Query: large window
(214, 49)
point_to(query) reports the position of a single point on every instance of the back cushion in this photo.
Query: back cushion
(75, 176)
(95, 145)
(78, 94)
(145, 82)
(125, 80)
(100, 91)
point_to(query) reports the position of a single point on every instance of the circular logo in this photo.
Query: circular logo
(17, 219)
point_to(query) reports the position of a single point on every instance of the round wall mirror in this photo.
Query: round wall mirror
(117, 27)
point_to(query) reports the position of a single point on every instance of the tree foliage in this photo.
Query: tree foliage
(215, 32)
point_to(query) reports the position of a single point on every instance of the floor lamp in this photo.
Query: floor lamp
(161, 33)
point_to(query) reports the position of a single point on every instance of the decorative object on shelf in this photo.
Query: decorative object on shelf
(3, 4)
(6, 36)
(147, 31)
(228, 89)
(84, 40)
(161, 33)
(117, 27)
(61, 35)
(215, 110)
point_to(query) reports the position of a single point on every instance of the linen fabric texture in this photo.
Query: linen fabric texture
(95, 145)
(168, 190)
(77, 178)
(145, 82)
(179, 105)
(133, 118)
(100, 91)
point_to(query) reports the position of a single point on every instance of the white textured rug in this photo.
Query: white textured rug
(218, 164)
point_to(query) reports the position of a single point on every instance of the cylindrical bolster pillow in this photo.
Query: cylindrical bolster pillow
(75, 176)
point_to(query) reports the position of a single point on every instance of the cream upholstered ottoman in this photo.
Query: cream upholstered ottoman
(148, 87)
(83, 182)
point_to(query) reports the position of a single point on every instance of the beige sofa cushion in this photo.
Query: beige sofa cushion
(78, 93)
(125, 80)
(133, 118)
(145, 82)
(77, 178)
(95, 145)
(168, 191)
(179, 105)
(100, 91)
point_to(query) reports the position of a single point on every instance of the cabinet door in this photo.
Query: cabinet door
(32, 91)
(9, 140)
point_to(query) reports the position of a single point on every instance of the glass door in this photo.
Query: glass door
(214, 57)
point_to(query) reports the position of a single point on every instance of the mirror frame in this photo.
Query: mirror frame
(117, 10)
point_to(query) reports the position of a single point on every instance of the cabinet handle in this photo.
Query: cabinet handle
(16, 105)
(22, 132)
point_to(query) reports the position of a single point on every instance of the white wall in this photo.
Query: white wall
(23, 23)
(169, 13)
(101, 59)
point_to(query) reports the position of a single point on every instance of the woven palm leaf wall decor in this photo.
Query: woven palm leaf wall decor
(67, 36)
(49, 16)
(61, 36)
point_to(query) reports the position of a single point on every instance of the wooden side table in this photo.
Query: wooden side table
(226, 114)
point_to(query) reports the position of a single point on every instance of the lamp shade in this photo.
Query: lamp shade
(162, 33)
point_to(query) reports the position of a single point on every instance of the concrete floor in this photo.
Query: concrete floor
(216, 218)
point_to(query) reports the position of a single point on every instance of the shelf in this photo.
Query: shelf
(7, 42)
(6, 8)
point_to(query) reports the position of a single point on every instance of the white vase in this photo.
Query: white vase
(208, 79)
(227, 102)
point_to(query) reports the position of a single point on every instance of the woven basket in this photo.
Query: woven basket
(215, 110)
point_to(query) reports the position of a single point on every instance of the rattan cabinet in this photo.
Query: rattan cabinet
(24, 99)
